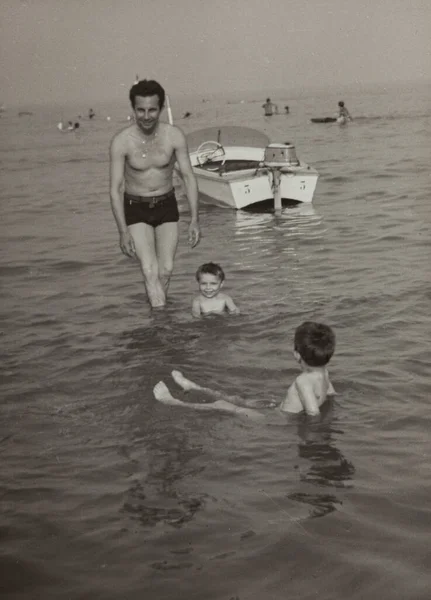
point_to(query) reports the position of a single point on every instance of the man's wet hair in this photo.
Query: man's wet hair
(315, 342)
(147, 87)
(210, 269)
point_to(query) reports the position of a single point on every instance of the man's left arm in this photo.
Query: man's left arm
(185, 167)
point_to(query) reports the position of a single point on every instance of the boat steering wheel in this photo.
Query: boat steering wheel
(207, 151)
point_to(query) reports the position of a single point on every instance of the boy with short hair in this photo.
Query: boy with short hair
(211, 300)
(314, 345)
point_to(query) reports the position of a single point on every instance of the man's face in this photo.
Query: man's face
(147, 112)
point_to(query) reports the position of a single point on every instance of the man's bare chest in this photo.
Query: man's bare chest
(142, 159)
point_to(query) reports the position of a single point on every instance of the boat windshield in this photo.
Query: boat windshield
(228, 135)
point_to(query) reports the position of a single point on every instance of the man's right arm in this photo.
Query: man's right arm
(116, 172)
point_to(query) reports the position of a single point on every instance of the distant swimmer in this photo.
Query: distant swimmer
(91, 114)
(186, 115)
(70, 126)
(286, 110)
(343, 113)
(270, 108)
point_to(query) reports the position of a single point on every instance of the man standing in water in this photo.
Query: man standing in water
(142, 159)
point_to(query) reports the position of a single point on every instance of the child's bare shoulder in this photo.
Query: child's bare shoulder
(305, 379)
(196, 304)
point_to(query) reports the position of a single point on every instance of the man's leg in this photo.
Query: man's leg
(166, 247)
(145, 246)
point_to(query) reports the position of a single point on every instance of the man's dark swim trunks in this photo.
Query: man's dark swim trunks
(153, 210)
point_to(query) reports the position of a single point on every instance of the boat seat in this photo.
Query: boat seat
(211, 166)
(230, 166)
(238, 165)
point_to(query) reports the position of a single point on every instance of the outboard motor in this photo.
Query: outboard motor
(278, 158)
(280, 155)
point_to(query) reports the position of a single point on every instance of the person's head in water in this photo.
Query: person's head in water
(210, 269)
(146, 88)
(210, 277)
(314, 343)
(341, 104)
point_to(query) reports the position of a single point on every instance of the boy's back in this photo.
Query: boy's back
(308, 392)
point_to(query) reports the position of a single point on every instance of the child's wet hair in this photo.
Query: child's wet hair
(211, 269)
(315, 342)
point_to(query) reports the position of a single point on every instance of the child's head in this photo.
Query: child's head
(314, 343)
(210, 278)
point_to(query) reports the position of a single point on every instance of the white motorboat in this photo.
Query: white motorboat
(238, 167)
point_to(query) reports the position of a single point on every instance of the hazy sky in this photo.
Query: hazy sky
(90, 50)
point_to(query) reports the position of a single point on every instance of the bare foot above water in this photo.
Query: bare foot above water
(183, 382)
(162, 394)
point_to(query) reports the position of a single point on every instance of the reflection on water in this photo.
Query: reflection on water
(154, 496)
(327, 467)
(248, 218)
(299, 219)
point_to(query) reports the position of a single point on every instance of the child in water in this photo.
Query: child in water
(314, 345)
(211, 299)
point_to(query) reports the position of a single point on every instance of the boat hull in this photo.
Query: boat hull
(243, 187)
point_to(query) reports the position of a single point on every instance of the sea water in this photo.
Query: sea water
(106, 493)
